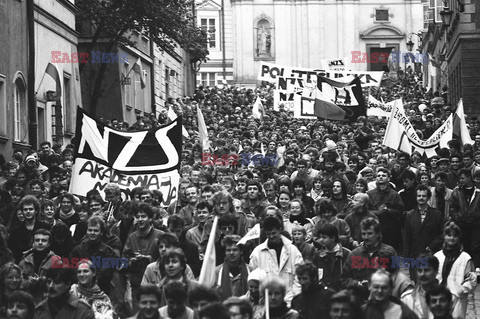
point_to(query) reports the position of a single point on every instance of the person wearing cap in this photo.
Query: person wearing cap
(255, 278)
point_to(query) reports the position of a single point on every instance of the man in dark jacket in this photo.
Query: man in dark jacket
(423, 227)
(61, 303)
(313, 302)
(388, 206)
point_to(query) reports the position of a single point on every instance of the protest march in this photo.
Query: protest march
(320, 193)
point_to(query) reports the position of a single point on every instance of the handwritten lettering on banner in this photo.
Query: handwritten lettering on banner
(147, 159)
(401, 135)
(92, 175)
(269, 72)
(286, 89)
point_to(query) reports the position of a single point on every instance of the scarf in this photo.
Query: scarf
(451, 254)
(92, 293)
(226, 282)
(300, 219)
(65, 216)
(279, 312)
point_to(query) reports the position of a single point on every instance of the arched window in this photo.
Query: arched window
(264, 38)
(20, 131)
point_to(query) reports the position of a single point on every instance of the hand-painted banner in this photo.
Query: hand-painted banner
(401, 135)
(286, 89)
(269, 72)
(338, 64)
(377, 108)
(149, 159)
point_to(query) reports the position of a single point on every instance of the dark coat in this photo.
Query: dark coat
(314, 303)
(419, 236)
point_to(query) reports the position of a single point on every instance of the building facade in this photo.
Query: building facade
(301, 33)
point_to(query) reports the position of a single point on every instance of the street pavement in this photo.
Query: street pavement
(473, 306)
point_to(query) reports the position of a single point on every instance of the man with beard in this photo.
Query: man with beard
(465, 212)
(60, 303)
(440, 194)
(232, 275)
(191, 194)
(381, 304)
(388, 206)
(176, 296)
(313, 302)
(439, 300)
(416, 299)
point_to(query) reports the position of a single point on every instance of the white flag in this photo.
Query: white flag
(253, 233)
(258, 111)
(207, 274)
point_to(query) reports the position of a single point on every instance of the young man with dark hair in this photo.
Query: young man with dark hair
(441, 194)
(176, 297)
(313, 302)
(39, 260)
(364, 260)
(176, 226)
(60, 302)
(388, 206)
(464, 211)
(232, 275)
(200, 296)
(426, 281)
(423, 227)
(439, 300)
(238, 308)
(22, 234)
(148, 301)
(277, 256)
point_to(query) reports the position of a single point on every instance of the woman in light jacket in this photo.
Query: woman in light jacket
(456, 270)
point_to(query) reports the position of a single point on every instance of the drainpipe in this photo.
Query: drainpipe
(224, 65)
(32, 101)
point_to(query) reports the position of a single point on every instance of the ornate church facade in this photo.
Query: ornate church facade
(301, 33)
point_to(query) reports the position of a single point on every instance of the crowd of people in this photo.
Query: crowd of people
(332, 225)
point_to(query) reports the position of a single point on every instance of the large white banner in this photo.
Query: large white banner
(270, 71)
(147, 159)
(400, 134)
(286, 89)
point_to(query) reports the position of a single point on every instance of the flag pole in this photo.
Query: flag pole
(267, 305)
(40, 84)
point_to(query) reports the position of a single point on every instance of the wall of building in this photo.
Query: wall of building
(13, 67)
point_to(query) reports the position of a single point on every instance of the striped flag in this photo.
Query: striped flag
(207, 274)
(53, 72)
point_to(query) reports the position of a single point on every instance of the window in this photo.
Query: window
(381, 15)
(69, 108)
(20, 131)
(209, 26)
(436, 6)
(3, 107)
(208, 79)
(427, 15)
(167, 83)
